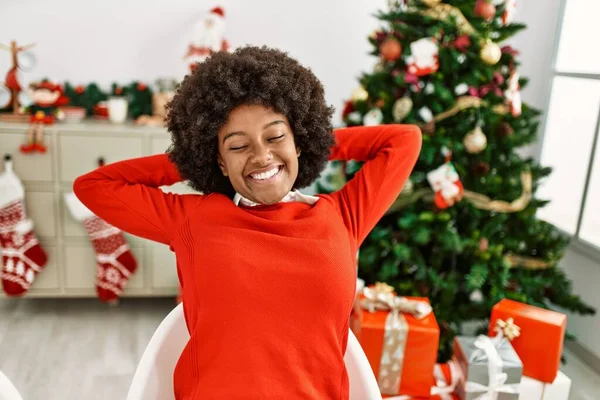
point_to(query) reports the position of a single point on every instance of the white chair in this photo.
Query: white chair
(153, 379)
(7, 390)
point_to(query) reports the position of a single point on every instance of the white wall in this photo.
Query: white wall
(110, 40)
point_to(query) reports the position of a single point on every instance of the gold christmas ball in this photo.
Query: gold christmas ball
(490, 53)
(402, 108)
(475, 141)
(431, 3)
(360, 94)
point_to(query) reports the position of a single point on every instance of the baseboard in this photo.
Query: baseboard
(584, 354)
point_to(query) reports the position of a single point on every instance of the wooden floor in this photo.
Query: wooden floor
(81, 349)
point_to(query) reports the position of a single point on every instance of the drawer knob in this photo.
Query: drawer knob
(101, 161)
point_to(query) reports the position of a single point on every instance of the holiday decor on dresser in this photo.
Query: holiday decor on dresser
(46, 97)
(21, 59)
(22, 256)
(207, 38)
(115, 262)
(465, 235)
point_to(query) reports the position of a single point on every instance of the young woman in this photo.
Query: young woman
(268, 274)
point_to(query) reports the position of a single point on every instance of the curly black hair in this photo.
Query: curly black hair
(248, 76)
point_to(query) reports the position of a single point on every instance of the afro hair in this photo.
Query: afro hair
(248, 75)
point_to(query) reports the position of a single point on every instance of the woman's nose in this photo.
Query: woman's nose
(262, 156)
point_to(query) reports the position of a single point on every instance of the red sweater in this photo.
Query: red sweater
(267, 290)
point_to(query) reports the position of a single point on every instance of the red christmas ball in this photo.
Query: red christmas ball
(141, 87)
(79, 89)
(390, 49)
(485, 9)
(462, 43)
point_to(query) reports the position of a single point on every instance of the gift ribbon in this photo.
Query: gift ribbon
(443, 389)
(496, 378)
(381, 297)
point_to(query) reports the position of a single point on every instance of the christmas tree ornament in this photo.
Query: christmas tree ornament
(481, 168)
(355, 118)
(512, 94)
(490, 53)
(390, 49)
(476, 296)
(379, 66)
(424, 57)
(425, 114)
(461, 58)
(46, 98)
(359, 94)
(483, 244)
(399, 5)
(485, 9)
(402, 108)
(431, 3)
(462, 43)
(115, 262)
(207, 38)
(475, 141)
(380, 103)
(510, 9)
(461, 89)
(446, 184)
(429, 88)
(22, 256)
(504, 130)
(348, 108)
(373, 117)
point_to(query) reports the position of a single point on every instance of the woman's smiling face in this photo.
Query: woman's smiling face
(258, 154)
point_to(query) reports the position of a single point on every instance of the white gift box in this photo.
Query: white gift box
(531, 389)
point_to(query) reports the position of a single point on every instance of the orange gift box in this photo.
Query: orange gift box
(540, 341)
(420, 348)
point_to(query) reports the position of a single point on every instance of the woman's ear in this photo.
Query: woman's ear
(298, 151)
(221, 164)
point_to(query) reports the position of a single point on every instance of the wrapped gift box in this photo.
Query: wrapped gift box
(532, 389)
(540, 341)
(486, 365)
(401, 348)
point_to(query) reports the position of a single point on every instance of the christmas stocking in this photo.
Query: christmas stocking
(22, 256)
(115, 263)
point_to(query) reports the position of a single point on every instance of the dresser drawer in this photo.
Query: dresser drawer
(40, 208)
(35, 167)
(163, 266)
(159, 145)
(79, 154)
(80, 268)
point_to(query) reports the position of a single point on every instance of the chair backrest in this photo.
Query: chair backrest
(153, 379)
(7, 390)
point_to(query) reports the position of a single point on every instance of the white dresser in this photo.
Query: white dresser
(74, 149)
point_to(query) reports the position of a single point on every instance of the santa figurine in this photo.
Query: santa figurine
(423, 59)
(207, 38)
(46, 97)
(512, 94)
(446, 184)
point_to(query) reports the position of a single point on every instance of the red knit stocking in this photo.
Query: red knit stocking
(22, 256)
(115, 263)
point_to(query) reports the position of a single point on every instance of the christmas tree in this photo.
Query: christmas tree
(464, 231)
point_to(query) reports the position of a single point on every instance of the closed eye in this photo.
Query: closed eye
(237, 148)
(274, 139)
